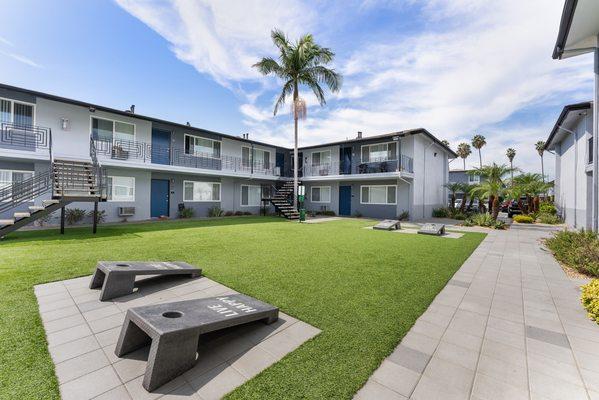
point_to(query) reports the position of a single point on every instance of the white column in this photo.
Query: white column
(595, 197)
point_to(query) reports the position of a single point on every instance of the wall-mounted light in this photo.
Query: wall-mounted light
(435, 154)
(65, 124)
(92, 109)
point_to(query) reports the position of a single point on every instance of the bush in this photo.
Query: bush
(547, 208)
(247, 213)
(215, 211)
(579, 250)
(499, 225)
(238, 213)
(549, 219)
(74, 215)
(329, 213)
(458, 215)
(403, 216)
(483, 219)
(186, 212)
(523, 219)
(229, 214)
(101, 216)
(358, 214)
(590, 299)
(442, 212)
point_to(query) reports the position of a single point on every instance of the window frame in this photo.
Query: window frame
(12, 180)
(112, 199)
(203, 155)
(241, 196)
(251, 151)
(321, 163)
(91, 127)
(377, 144)
(589, 150)
(386, 195)
(473, 179)
(12, 110)
(204, 201)
(320, 201)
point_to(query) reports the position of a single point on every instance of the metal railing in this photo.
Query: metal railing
(25, 137)
(346, 168)
(25, 191)
(177, 156)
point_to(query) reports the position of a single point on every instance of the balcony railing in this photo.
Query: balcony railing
(25, 137)
(143, 152)
(372, 167)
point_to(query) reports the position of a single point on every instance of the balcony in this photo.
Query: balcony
(146, 153)
(382, 166)
(29, 138)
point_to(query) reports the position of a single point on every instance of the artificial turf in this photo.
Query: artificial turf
(364, 289)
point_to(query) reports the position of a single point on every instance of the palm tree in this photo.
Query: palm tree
(478, 141)
(445, 142)
(492, 186)
(453, 188)
(463, 152)
(531, 185)
(511, 153)
(540, 146)
(299, 63)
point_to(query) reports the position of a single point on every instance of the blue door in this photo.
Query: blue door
(280, 163)
(161, 147)
(159, 199)
(344, 200)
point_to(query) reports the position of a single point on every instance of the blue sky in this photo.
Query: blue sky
(455, 67)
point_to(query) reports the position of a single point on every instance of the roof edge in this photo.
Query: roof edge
(564, 28)
(565, 111)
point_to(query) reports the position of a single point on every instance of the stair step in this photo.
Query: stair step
(5, 222)
(47, 203)
(36, 208)
(21, 215)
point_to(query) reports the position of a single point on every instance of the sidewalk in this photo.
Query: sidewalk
(508, 325)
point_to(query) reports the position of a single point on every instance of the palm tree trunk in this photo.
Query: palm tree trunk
(495, 207)
(463, 159)
(295, 148)
(463, 205)
(453, 200)
(512, 172)
(543, 169)
(480, 158)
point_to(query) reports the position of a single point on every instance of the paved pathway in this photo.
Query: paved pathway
(509, 325)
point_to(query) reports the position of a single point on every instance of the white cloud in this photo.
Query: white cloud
(6, 42)
(21, 59)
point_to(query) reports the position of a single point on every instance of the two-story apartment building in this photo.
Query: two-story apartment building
(462, 176)
(571, 139)
(157, 166)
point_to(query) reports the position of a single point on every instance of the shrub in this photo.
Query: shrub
(329, 213)
(441, 212)
(523, 219)
(74, 215)
(358, 214)
(101, 216)
(229, 214)
(238, 213)
(499, 225)
(247, 213)
(41, 221)
(547, 208)
(186, 212)
(579, 250)
(590, 299)
(483, 219)
(403, 216)
(549, 219)
(215, 211)
(458, 215)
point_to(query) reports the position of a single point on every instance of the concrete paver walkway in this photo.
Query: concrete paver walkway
(508, 325)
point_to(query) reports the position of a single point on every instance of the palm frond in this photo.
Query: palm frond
(313, 84)
(268, 66)
(330, 77)
(287, 90)
(280, 40)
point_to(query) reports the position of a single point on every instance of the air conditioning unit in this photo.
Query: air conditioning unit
(277, 171)
(126, 211)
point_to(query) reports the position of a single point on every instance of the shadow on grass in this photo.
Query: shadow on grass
(130, 229)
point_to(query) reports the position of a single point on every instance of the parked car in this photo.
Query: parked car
(514, 207)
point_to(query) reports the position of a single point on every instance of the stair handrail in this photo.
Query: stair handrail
(25, 191)
(99, 172)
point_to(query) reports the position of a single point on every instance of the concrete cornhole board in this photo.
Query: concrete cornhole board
(388, 225)
(175, 328)
(117, 278)
(432, 229)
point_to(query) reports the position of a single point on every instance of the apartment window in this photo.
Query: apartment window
(8, 177)
(378, 194)
(201, 191)
(202, 147)
(379, 152)
(250, 195)
(590, 150)
(260, 158)
(112, 131)
(321, 158)
(320, 194)
(120, 188)
(473, 179)
(16, 112)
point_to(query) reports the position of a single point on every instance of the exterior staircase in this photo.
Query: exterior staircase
(67, 181)
(282, 200)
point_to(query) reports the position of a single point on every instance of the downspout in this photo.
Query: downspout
(424, 180)
(411, 197)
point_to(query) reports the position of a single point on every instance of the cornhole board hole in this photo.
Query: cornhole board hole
(432, 229)
(174, 330)
(117, 278)
(388, 225)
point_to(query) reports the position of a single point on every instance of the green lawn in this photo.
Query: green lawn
(364, 289)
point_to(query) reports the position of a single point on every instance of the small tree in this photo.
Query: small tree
(463, 152)
(453, 188)
(478, 141)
